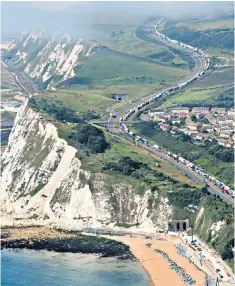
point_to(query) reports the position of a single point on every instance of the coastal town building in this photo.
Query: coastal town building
(180, 110)
(208, 125)
(156, 112)
(202, 110)
(231, 112)
(194, 126)
(218, 110)
(165, 127)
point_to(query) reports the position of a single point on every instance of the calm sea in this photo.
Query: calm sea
(43, 268)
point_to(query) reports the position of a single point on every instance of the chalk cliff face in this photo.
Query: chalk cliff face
(48, 60)
(43, 180)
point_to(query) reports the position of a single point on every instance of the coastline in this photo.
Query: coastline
(25, 237)
(128, 246)
(41, 238)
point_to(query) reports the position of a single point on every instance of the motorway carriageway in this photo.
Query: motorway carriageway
(190, 173)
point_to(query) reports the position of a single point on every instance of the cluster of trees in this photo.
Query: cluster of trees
(90, 136)
(182, 197)
(56, 110)
(201, 119)
(217, 38)
(227, 252)
(163, 56)
(184, 56)
(219, 210)
(77, 80)
(139, 170)
(143, 78)
(89, 115)
(223, 154)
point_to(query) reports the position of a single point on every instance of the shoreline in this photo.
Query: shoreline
(16, 238)
(134, 247)
(62, 241)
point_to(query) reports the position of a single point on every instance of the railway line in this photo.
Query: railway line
(122, 115)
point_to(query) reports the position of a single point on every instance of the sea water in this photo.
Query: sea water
(44, 268)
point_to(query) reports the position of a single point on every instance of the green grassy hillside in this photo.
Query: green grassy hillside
(111, 68)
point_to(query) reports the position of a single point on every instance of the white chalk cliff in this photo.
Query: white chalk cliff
(43, 180)
(48, 60)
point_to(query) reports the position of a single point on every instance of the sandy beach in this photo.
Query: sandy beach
(156, 266)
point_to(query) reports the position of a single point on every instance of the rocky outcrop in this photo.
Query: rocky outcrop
(43, 180)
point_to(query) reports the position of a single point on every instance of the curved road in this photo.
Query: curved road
(199, 66)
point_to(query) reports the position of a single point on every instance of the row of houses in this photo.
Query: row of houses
(207, 124)
(197, 135)
(203, 110)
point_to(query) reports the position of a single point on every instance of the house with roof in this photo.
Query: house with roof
(208, 127)
(201, 110)
(225, 135)
(165, 127)
(175, 119)
(217, 110)
(217, 128)
(193, 126)
(231, 112)
(199, 136)
(224, 142)
(160, 118)
(191, 133)
(180, 110)
(153, 112)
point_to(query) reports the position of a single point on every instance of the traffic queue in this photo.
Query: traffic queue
(175, 42)
(190, 165)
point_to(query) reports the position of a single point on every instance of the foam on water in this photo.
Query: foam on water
(42, 268)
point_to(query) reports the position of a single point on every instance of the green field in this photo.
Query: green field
(109, 72)
(111, 68)
(123, 38)
(193, 95)
(209, 25)
(98, 97)
(217, 78)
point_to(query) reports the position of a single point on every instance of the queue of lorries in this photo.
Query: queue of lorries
(222, 186)
(189, 165)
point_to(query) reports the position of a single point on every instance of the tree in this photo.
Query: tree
(194, 118)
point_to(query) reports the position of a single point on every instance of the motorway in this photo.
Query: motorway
(199, 64)
(30, 87)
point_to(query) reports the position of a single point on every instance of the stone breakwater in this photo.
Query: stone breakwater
(188, 280)
(62, 241)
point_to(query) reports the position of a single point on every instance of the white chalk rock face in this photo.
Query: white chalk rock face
(42, 180)
(49, 60)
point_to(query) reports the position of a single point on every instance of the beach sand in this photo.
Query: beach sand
(156, 266)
